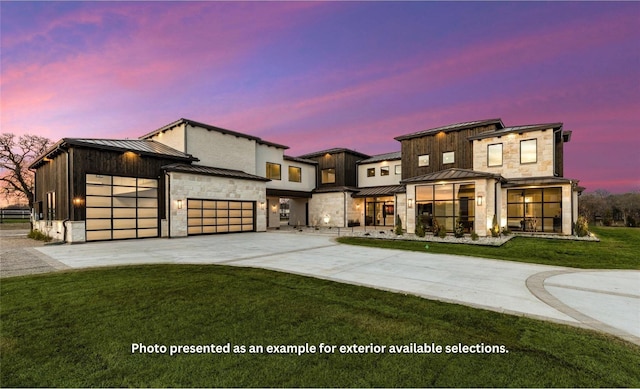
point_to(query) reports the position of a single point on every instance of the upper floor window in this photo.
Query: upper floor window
(423, 160)
(328, 176)
(273, 171)
(384, 170)
(529, 151)
(295, 174)
(494, 155)
(371, 172)
(398, 169)
(448, 157)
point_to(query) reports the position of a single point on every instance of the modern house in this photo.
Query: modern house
(191, 178)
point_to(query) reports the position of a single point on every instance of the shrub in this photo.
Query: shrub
(458, 231)
(631, 222)
(582, 226)
(398, 230)
(419, 227)
(442, 233)
(495, 229)
(37, 235)
(506, 231)
(436, 227)
(474, 236)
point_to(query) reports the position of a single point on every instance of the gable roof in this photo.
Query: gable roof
(212, 171)
(139, 146)
(383, 157)
(335, 150)
(209, 127)
(451, 174)
(451, 127)
(518, 129)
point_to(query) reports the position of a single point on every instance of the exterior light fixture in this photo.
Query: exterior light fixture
(179, 204)
(78, 201)
(410, 203)
(326, 219)
(479, 201)
(274, 208)
(262, 205)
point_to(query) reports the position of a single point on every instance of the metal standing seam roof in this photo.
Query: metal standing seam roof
(378, 191)
(334, 150)
(451, 127)
(212, 171)
(301, 160)
(382, 157)
(526, 181)
(451, 174)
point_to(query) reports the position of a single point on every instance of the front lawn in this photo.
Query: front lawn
(76, 329)
(617, 249)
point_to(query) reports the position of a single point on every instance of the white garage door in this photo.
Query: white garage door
(219, 216)
(121, 207)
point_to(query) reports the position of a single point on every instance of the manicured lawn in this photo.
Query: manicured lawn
(76, 329)
(617, 249)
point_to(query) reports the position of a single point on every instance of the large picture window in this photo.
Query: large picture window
(528, 151)
(447, 205)
(494, 155)
(535, 210)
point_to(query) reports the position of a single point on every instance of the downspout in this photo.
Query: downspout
(168, 205)
(344, 219)
(70, 200)
(495, 201)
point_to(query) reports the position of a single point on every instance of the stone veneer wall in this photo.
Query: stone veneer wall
(75, 230)
(184, 186)
(331, 205)
(401, 209)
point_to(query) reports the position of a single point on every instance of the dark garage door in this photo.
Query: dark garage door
(219, 216)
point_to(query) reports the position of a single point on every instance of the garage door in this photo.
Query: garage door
(121, 207)
(219, 216)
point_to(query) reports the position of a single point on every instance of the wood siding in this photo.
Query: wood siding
(435, 145)
(345, 165)
(52, 177)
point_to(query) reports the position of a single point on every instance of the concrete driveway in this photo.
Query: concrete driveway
(606, 300)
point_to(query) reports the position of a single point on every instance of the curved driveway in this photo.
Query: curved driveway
(607, 301)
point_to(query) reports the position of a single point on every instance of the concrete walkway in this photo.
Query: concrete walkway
(607, 301)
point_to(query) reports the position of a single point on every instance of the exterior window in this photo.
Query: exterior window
(295, 174)
(51, 206)
(448, 157)
(535, 210)
(273, 171)
(423, 160)
(494, 155)
(384, 170)
(398, 169)
(447, 205)
(529, 151)
(328, 176)
(371, 172)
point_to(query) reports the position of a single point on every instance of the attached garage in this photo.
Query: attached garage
(219, 216)
(121, 207)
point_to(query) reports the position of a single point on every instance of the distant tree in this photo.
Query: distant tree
(15, 157)
(611, 208)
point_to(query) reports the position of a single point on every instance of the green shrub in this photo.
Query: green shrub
(474, 236)
(419, 227)
(458, 231)
(436, 227)
(398, 230)
(506, 231)
(37, 235)
(442, 233)
(582, 226)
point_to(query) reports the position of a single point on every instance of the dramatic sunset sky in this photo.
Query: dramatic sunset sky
(315, 75)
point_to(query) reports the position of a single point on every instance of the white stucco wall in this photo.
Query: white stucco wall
(378, 179)
(297, 212)
(511, 166)
(184, 186)
(273, 212)
(265, 153)
(173, 138)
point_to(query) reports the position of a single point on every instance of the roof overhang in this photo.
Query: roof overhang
(380, 191)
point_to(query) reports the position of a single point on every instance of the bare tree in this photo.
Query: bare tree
(15, 157)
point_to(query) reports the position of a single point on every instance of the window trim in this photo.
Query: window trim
(299, 169)
(453, 159)
(322, 180)
(269, 172)
(397, 169)
(489, 153)
(371, 172)
(428, 160)
(384, 169)
(535, 140)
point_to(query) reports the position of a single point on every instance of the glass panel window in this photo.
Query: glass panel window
(328, 176)
(371, 172)
(424, 193)
(528, 151)
(273, 171)
(295, 174)
(494, 155)
(398, 169)
(448, 157)
(423, 160)
(384, 171)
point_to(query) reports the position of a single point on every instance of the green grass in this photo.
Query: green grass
(76, 329)
(617, 249)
